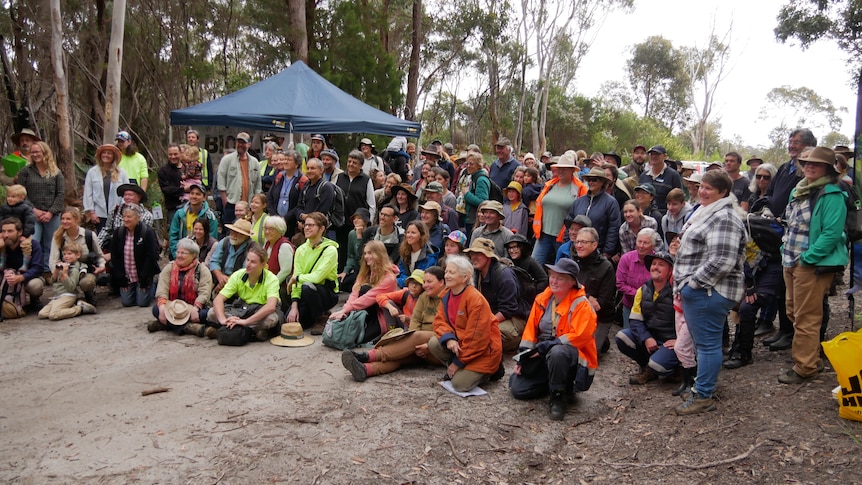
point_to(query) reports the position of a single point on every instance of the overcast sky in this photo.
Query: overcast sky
(759, 62)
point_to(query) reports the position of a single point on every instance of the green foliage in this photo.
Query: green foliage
(659, 79)
(801, 107)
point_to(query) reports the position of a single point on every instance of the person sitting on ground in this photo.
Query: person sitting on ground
(17, 206)
(633, 222)
(201, 236)
(651, 335)
(466, 335)
(189, 281)
(398, 305)
(453, 244)
(131, 195)
(228, 255)
(491, 216)
(376, 277)
(314, 284)
(361, 219)
(65, 302)
(387, 232)
(257, 217)
(599, 280)
(12, 258)
(390, 354)
(241, 210)
(416, 251)
(135, 257)
(279, 252)
(429, 214)
(632, 271)
(92, 262)
(500, 287)
(519, 250)
(516, 217)
(560, 356)
(256, 306)
(196, 209)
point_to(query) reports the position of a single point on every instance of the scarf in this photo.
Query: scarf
(804, 188)
(701, 214)
(189, 290)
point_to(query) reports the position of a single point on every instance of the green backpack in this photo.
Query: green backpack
(346, 334)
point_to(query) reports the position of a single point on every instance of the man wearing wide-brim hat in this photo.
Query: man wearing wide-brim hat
(228, 255)
(500, 287)
(23, 140)
(491, 215)
(602, 209)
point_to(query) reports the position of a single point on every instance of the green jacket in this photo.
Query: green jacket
(827, 243)
(309, 269)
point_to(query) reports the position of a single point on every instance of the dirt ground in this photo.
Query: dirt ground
(71, 411)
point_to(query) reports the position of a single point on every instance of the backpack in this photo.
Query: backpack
(766, 233)
(494, 192)
(336, 213)
(347, 333)
(526, 281)
(853, 220)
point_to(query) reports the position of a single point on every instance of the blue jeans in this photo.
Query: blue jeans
(663, 361)
(134, 294)
(44, 233)
(546, 247)
(857, 265)
(706, 314)
(626, 313)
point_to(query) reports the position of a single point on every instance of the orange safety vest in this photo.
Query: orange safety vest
(537, 220)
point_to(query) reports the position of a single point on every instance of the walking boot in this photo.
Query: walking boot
(763, 328)
(645, 375)
(360, 356)
(695, 404)
(558, 406)
(156, 326)
(90, 297)
(776, 337)
(688, 375)
(499, 373)
(784, 343)
(356, 368)
(320, 324)
(86, 308)
(211, 332)
(738, 359)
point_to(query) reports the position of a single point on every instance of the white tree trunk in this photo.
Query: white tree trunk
(61, 87)
(115, 66)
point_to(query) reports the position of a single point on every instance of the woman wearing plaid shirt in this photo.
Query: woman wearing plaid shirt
(708, 277)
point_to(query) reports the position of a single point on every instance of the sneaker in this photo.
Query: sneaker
(211, 332)
(89, 309)
(791, 377)
(695, 404)
(645, 375)
(356, 368)
(154, 326)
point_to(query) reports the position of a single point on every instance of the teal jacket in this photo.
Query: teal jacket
(827, 243)
(178, 229)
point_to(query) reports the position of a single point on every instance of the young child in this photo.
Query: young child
(191, 172)
(241, 210)
(17, 206)
(400, 303)
(516, 215)
(677, 211)
(66, 275)
(532, 187)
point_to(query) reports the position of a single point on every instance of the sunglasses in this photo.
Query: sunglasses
(763, 177)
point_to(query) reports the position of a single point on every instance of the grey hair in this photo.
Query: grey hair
(356, 155)
(808, 138)
(189, 245)
(134, 209)
(764, 166)
(591, 231)
(652, 234)
(315, 161)
(271, 144)
(462, 265)
(277, 223)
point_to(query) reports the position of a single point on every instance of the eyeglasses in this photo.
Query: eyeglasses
(311, 224)
(763, 177)
(581, 242)
(590, 179)
(386, 214)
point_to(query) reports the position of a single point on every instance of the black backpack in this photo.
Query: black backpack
(494, 192)
(767, 233)
(529, 288)
(336, 213)
(853, 220)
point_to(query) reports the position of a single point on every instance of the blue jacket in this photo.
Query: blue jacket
(427, 258)
(604, 212)
(503, 175)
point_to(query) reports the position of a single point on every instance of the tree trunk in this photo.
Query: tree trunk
(115, 66)
(297, 30)
(413, 71)
(61, 86)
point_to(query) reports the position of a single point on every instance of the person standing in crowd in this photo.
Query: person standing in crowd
(815, 247)
(633, 222)
(636, 168)
(257, 216)
(662, 177)
(677, 213)
(476, 189)
(170, 178)
(370, 160)
(601, 208)
(331, 164)
(404, 201)
(134, 164)
(102, 180)
(552, 207)
(135, 256)
(732, 164)
(284, 195)
(708, 277)
(763, 174)
(358, 194)
(193, 139)
(267, 168)
(318, 194)
(516, 216)
(314, 284)
(238, 177)
(46, 191)
(645, 195)
(504, 167)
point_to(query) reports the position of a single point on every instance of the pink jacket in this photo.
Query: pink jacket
(632, 273)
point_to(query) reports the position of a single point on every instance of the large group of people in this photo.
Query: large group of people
(451, 261)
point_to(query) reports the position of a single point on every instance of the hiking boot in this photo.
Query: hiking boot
(262, 334)
(360, 356)
(196, 329)
(688, 375)
(558, 406)
(645, 375)
(775, 338)
(763, 328)
(783, 343)
(791, 377)
(352, 364)
(90, 297)
(738, 359)
(320, 324)
(501, 371)
(695, 404)
(86, 308)
(154, 326)
(211, 332)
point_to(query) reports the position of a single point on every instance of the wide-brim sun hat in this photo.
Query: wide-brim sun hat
(122, 189)
(823, 155)
(291, 336)
(566, 266)
(483, 246)
(241, 226)
(118, 155)
(177, 312)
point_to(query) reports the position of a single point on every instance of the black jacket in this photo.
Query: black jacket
(530, 265)
(146, 256)
(502, 290)
(600, 281)
(170, 178)
(274, 194)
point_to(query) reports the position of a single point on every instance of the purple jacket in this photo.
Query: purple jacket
(632, 273)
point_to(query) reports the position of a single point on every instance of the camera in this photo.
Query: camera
(59, 265)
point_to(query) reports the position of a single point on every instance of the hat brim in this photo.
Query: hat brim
(557, 269)
(234, 228)
(393, 335)
(280, 341)
(111, 148)
(649, 258)
(394, 190)
(485, 252)
(177, 322)
(122, 189)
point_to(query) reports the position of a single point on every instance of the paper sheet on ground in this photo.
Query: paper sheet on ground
(476, 391)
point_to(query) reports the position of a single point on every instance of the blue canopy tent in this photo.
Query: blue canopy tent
(296, 100)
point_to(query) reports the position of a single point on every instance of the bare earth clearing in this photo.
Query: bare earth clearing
(71, 410)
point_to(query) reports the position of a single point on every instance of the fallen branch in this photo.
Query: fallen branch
(306, 420)
(700, 466)
(455, 453)
(155, 391)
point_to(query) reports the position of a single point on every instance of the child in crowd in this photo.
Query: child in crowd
(453, 243)
(65, 303)
(531, 188)
(17, 206)
(400, 303)
(192, 169)
(678, 210)
(241, 210)
(515, 214)
(361, 219)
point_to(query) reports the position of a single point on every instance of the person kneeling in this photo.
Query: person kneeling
(651, 336)
(558, 350)
(183, 293)
(255, 312)
(65, 303)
